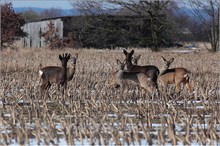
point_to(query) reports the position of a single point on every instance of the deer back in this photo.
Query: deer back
(151, 70)
(53, 74)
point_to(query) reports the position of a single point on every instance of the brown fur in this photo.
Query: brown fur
(55, 74)
(70, 71)
(149, 70)
(121, 77)
(175, 75)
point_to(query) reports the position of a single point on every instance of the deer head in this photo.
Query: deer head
(128, 55)
(121, 65)
(167, 63)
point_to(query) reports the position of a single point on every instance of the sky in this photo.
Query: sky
(62, 4)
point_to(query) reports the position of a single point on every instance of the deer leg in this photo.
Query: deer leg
(44, 88)
(65, 88)
(148, 87)
(62, 90)
(156, 91)
(165, 87)
(122, 88)
(157, 88)
(177, 87)
(48, 85)
(58, 87)
(188, 86)
(120, 84)
(125, 85)
(151, 88)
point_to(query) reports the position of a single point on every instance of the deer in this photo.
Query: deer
(119, 77)
(55, 74)
(70, 71)
(150, 70)
(175, 75)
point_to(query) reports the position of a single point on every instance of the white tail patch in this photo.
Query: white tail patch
(186, 75)
(40, 73)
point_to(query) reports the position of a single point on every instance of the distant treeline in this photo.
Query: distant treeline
(107, 31)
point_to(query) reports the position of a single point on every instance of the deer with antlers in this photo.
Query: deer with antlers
(55, 74)
(149, 70)
(174, 75)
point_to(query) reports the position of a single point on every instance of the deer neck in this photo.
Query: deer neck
(129, 65)
(163, 70)
(71, 72)
(119, 75)
(62, 75)
(65, 73)
(123, 75)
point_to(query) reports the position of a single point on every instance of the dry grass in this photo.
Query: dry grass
(95, 112)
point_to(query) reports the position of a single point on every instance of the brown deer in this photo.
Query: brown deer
(119, 77)
(55, 74)
(70, 71)
(149, 70)
(174, 75)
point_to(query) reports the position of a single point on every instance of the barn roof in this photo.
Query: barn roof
(79, 16)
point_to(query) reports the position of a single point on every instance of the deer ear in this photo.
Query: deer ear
(138, 57)
(132, 52)
(60, 57)
(68, 57)
(171, 60)
(125, 52)
(163, 58)
(118, 62)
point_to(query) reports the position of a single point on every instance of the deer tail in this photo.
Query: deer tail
(188, 75)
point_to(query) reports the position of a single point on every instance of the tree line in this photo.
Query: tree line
(131, 23)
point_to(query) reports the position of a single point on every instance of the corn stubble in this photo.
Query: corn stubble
(95, 112)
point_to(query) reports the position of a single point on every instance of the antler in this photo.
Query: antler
(65, 55)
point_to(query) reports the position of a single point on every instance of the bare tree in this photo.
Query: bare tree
(153, 10)
(91, 7)
(136, 23)
(207, 11)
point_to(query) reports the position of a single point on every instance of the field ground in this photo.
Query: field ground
(92, 112)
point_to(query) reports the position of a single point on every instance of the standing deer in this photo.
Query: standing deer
(119, 77)
(149, 70)
(55, 74)
(174, 75)
(70, 71)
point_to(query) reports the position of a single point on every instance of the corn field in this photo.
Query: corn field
(94, 113)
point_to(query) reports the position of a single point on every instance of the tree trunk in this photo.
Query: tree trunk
(214, 28)
(218, 29)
